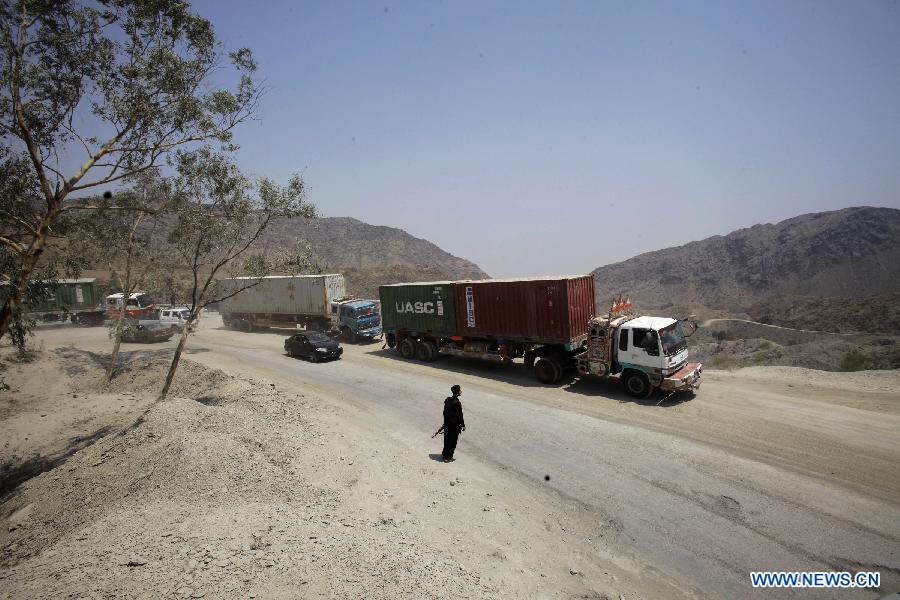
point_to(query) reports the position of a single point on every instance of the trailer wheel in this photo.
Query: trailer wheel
(426, 351)
(637, 385)
(547, 371)
(406, 348)
(245, 326)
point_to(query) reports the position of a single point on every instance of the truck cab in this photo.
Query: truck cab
(139, 306)
(647, 352)
(357, 318)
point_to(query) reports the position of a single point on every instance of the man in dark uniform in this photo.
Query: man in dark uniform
(454, 423)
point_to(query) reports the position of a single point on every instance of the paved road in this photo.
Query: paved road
(751, 475)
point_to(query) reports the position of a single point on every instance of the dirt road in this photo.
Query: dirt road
(766, 469)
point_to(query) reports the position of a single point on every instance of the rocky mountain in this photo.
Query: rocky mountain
(371, 255)
(845, 253)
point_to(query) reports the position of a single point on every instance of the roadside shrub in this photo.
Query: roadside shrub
(724, 362)
(19, 331)
(856, 360)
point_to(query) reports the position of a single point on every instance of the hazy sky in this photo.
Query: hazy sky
(555, 137)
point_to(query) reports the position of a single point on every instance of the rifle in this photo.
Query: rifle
(441, 430)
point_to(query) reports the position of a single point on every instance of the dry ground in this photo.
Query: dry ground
(278, 478)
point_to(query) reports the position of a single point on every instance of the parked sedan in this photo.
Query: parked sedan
(314, 345)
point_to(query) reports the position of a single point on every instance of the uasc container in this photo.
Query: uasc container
(426, 308)
(546, 310)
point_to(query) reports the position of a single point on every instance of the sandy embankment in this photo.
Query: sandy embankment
(235, 488)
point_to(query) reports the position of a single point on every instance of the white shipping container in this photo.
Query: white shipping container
(284, 294)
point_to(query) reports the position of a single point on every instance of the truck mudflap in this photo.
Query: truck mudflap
(686, 378)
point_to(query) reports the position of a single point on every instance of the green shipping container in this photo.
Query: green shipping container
(71, 295)
(424, 308)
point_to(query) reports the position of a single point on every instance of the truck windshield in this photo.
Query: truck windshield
(363, 311)
(673, 340)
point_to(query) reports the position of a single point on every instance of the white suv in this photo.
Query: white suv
(176, 318)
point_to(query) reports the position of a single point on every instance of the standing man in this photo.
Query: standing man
(454, 423)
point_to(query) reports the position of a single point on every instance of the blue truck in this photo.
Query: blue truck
(315, 302)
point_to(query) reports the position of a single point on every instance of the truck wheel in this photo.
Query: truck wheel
(346, 335)
(637, 385)
(426, 351)
(547, 371)
(422, 352)
(245, 326)
(406, 348)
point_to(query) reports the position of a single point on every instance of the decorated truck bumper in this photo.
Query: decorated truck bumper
(686, 378)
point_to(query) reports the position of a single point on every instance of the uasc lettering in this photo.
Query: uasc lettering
(415, 307)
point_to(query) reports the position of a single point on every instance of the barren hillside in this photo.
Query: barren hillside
(845, 253)
(835, 272)
(372, 255)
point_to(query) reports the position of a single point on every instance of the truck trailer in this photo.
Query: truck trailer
(75, 300)
(312, 301)
(549, 322)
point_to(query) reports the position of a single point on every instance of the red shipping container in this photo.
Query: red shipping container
(547, 310)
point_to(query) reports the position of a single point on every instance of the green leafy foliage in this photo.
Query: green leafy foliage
(125, 82)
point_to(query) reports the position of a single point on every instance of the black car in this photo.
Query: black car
(314, 345)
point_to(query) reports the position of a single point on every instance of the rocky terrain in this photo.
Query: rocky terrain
(845, 253)
(835, 272)
(371, 255)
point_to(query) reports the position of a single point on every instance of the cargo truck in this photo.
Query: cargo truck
(75, 300)
(140, 305)
(317, 302)
(549, 322)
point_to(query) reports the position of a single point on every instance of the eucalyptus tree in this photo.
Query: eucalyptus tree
(127, 237)
(19, 194)
(220, 218)
(122, 83)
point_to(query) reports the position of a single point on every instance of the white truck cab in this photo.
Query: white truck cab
(648, 352)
